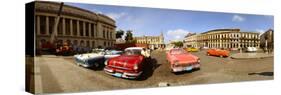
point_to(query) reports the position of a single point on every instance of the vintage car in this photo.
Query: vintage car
(191, 49)
(96, 58)
(181, 60)
(218, 52)
(128, 65)
(251, 49)
(89, 60)
(111, 54)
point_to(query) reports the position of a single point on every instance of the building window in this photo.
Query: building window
(67, 26)
(75, 42)
(81, 43)
(43, 42)
(104, 43)
(68, 42)
(42, 24)
(87, 29)
(107, 34)
(93, 44)
(93, 30)
(74, 25)
(60, 27)
(103, 33)
(88, 43)
(51, 24)
(81, 28)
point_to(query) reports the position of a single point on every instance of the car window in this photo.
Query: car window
(178, 51)
(133, 52)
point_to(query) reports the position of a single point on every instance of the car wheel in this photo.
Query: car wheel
(78, 64)
(96, 65)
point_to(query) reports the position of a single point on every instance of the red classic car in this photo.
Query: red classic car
(181, 60)
(218, 52)
(128, 65)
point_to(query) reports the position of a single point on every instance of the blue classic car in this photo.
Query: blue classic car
(96, 58)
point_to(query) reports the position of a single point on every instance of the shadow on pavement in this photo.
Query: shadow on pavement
(262, 73)
(148, 69)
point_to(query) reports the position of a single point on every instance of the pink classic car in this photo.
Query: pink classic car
(181, 60)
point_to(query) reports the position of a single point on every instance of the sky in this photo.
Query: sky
(175, 24)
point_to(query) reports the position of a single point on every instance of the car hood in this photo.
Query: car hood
(184, 58)
(128, 59)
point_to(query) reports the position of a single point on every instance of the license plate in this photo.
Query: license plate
(117, 74)
(188, 68)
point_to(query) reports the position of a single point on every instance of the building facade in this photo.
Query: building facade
(153, 42)
(223, 38)
(267, 40)
(77, 27)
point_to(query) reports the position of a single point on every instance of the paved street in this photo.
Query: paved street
(61, 74)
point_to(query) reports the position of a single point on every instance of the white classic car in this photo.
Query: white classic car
(96, 58)
(251, 49)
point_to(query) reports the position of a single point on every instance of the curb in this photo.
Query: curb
(251, 57)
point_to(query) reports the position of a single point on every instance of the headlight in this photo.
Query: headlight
(105, 63)
(198, 60)
(176, 62)
(136, 66)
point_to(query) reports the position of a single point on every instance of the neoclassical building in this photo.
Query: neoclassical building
(152, 41)
(78, 27)
(223, 38)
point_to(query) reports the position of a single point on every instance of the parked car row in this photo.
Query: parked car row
(127, 64)
(131, 62)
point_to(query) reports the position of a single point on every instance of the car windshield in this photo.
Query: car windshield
(133, 52)
(113, 52)
(178, 51)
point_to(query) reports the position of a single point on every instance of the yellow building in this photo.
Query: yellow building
(224, 38)
(153, 42)
(77, 26)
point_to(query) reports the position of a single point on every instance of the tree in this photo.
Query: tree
(129, 36)
(119, 33)
(178, 43)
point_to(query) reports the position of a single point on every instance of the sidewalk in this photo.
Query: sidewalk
(251, 55)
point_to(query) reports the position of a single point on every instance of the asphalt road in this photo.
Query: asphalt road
(61, 74)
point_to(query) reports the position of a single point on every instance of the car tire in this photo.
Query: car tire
(96, 65)
(78, 64)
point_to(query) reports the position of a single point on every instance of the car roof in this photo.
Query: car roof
(133, 48)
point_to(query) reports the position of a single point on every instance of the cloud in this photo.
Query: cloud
(116, 16)
(238, 18)
(261, 31)
(177, 34)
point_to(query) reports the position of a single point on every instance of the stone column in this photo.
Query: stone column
(100, 30)
(84, 28)
(47, 25)
(89, 31)
(63, 26)
(71, 27)
(38, 25)
(78, 28)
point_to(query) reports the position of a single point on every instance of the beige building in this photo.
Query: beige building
(152, 41)
(77, 26)
(223, 38)
(267, 40)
